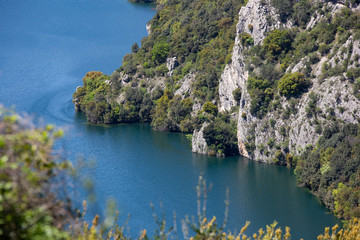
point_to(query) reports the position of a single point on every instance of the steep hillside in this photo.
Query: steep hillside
(296, 81)
(172, 80)
(273, 80)
(299, 81)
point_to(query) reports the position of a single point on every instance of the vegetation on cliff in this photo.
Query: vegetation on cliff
(281, 70)
(332, 169)
(268, 62)
(181, 94)
(200, 34)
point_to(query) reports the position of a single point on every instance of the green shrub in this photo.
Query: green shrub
(220, 136)
(210, 108)
(272, 122)
(302, 12)
(135, 48)
(261, 94)
(311, 108)
(160, 52)
(243, 115)
(283, 7)
(246, 39)
(292, 84)
(277, 41)
(271, 142)
(31, 186)
(237, 95)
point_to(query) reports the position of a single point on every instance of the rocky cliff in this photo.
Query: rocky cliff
(290, 127)
(282, 71)
(276, 81)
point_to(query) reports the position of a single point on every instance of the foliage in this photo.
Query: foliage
(292, 84)
(278, 41)
(173, 114)
(28, 169)
(268, 62)
(210, 108)
(237, 94)
(246, 39)
(220, 136)
(135, 48)
(261, 93)
(332, 169)
(200, 34)
(284, 8)
(356, 88)
(30, 204)
(160, 52)
(311, 109)
(301, 12)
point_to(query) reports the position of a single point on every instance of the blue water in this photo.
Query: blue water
(46, 47)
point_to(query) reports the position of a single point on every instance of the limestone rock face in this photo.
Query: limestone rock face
(333, 95)
(171, 64)
(253, 19)
(124, 78)
(148, 28)
(198, 141)
(185, 85)
(76, 101)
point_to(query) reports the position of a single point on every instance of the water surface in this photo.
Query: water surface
(46, 47)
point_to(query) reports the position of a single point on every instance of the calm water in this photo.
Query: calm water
(45, 49)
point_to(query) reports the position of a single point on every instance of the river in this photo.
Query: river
(46, 47)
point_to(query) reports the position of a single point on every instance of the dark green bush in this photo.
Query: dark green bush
(278, 41)
(261, 94)
(220, 136)
(246, 39)
(292, 84)
(210, 108)
(237, 95)
(135, 48)
(301, 13)
(160, 52)
(284, 8)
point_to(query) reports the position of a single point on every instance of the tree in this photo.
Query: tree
(292, 84)
(135, 48)
(284, 8)
(221, 137)
(237, 95)
(277, 41)
(302, 12)
(210, 108)
(246, 39)
(160, 52)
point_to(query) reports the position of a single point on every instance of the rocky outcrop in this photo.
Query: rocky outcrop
(254, 18)
(334, 98)
(198, 141)
(76, 101)
(148, 28)
(171, 64)
(185, 85)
